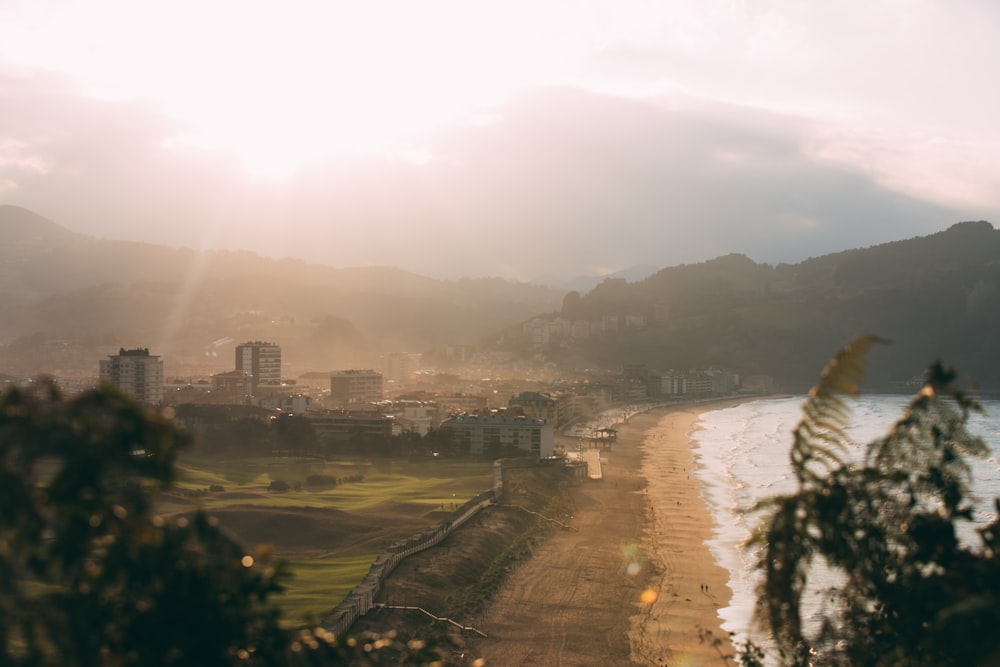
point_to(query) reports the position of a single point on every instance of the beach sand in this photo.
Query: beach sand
(691, 587)
(633, 582)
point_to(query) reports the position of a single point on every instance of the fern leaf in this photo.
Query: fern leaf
(820, 439)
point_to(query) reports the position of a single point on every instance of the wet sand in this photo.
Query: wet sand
(633, 582)
(691, 587)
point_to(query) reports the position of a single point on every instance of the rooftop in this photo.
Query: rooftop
(137, 352)
(466, 418)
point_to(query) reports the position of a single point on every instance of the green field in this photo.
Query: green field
(416, 494)
(318, 584)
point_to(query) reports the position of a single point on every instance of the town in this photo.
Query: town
(346, 408)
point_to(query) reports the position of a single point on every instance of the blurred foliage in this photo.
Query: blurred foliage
(912, 593)
(91, 575)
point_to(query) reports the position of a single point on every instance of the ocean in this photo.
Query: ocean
(742, 457)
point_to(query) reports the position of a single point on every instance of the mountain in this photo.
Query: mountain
(587, 283)
(69, 287)
(67, 299)
(935, 297)
(21, 228)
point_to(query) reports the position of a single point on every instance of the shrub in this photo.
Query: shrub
(91, 576)
(321, 481)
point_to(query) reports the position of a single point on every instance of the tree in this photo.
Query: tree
(90, 574)
(294, 432)
(912, 593)
(571, 305)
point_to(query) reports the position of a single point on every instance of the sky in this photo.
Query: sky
(533, 140)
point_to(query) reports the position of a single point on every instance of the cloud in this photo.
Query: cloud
(560, 182)
(103, 168)
(570, 179)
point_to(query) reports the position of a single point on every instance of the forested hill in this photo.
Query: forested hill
(64, 287)
(935, 297)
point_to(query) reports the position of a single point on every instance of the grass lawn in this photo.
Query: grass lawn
(435, 484)
(319, 583)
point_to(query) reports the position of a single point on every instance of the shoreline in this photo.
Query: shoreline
(693, 587)
(634, 580)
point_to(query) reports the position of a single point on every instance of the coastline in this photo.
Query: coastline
(692, 586)
(634, 581)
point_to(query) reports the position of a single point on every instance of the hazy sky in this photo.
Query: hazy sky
(525, 139)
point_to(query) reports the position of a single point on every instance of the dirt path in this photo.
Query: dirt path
(570, 604)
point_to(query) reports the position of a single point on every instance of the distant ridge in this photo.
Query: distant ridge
(631, 274)
(934, 296)
(84, 292)
(19, 226)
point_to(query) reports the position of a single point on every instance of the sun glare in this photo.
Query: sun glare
(277, 143)
(279, 125)
(278, 89)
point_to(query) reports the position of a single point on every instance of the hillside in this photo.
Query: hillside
(67, 299)
(935, 297)
(58, 285)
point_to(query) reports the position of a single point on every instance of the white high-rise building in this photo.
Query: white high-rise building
(135, 372)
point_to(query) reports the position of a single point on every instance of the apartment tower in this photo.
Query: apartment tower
(262, 362)
(136, 373)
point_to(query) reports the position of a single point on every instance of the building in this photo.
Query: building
(235, 381)
(673, 384)
(401, 366)
(723, 382)
(411, 416)
(535, 404)
(711, 381)
(537, 332)
(136, 373)
(356, 386)
(481, 432)
(459, 403)
(314, 380)
(290, 403)
(342, 425)
(262, 362)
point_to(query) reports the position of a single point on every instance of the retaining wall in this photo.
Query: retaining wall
(361, 600)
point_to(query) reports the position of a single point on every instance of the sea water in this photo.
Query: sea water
(742, 456)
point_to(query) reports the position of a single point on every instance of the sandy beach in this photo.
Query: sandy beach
(691, 586)
(628, 584)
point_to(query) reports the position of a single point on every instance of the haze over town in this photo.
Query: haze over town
(535, 141)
